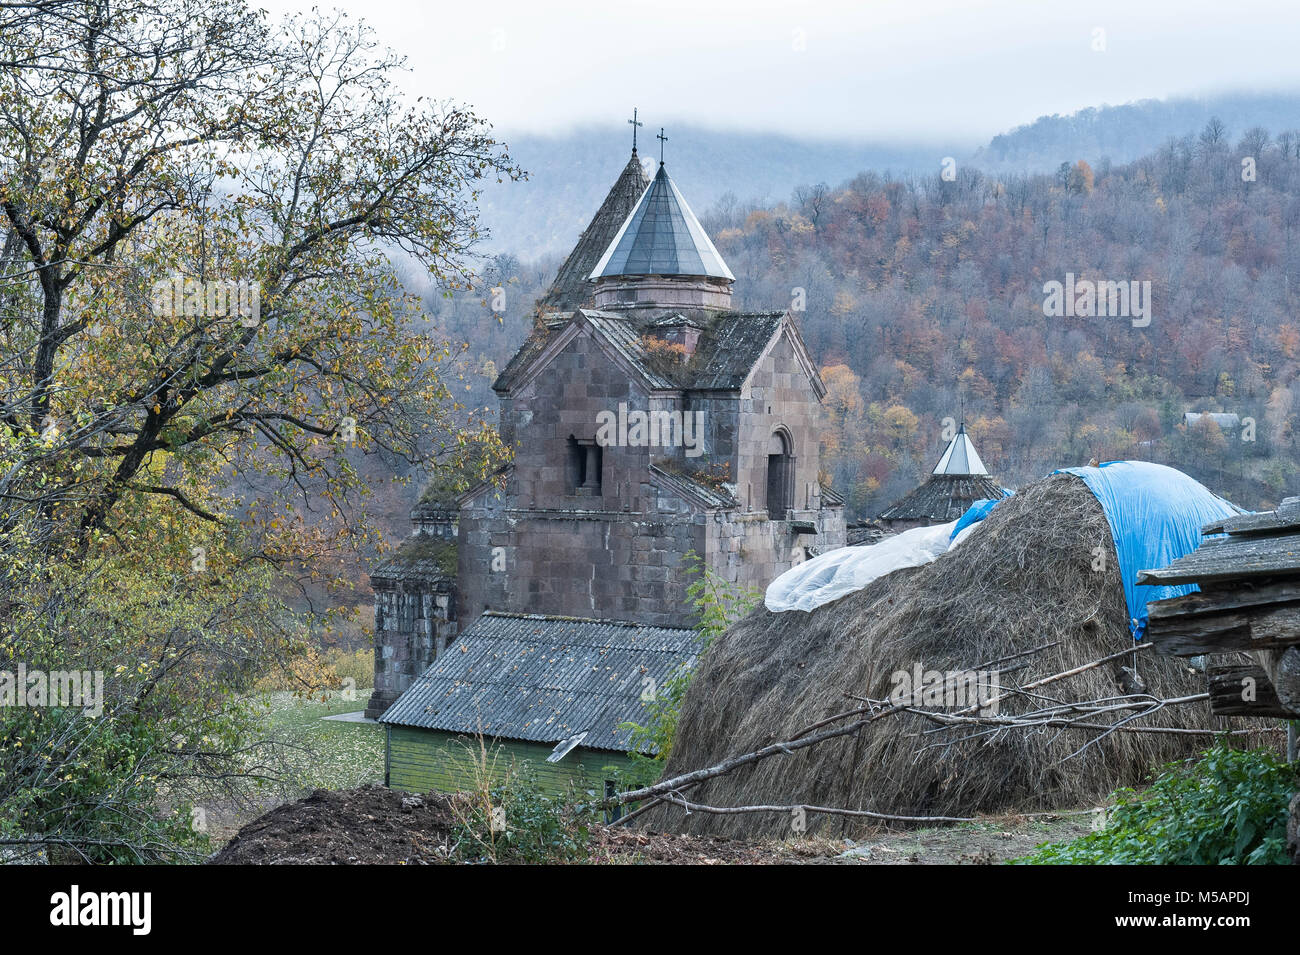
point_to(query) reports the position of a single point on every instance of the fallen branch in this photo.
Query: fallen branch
(872, 708)
(802, 741)
(790, 810)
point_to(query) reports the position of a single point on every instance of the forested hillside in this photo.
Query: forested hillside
(1126, 132)
(924, 298)
(569, 171)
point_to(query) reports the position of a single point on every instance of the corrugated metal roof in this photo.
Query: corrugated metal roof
(545, 679)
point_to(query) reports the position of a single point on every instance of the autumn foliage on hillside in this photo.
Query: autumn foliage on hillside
(924, 300)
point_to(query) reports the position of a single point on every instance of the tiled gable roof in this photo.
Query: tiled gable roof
(730, 345)
(729, 349)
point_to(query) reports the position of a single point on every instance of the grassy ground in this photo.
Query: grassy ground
(320, 753)
(987, 842)
(326, 754)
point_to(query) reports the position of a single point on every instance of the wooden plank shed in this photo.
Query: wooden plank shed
(1249, 603)
(547, 694)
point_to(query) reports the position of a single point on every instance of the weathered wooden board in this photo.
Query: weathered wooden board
(1232, 558)
(1283, 669)
(1250, 628)
(1194, 636)
(1287, 516)
(1230, 597)
(1244, 690)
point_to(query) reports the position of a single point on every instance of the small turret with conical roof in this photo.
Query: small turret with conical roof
(960, 456)
(957, 481)
(662, 257)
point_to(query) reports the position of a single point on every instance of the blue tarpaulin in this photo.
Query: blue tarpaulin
(1155, 515)
(976, 513)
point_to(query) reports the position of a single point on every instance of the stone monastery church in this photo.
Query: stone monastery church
(648, 420)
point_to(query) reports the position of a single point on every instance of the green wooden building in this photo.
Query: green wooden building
(546, 693)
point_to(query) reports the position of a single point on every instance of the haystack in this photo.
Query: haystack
(1024, 579)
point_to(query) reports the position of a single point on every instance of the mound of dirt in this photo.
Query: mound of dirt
(372, 825)
(379, 826)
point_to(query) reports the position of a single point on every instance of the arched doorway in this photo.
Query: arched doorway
(780, 475)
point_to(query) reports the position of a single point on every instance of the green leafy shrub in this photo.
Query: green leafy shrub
(505, 816)
(515, 822)
(1227, 808)
(720, 603)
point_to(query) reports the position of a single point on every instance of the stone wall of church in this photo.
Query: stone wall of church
(613, 564)
(623, 565)
(739, 427)
(753, 551)
(543, 545)
(780, 397)
(414, 621)
(579, 384)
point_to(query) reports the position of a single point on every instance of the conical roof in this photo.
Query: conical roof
(662, 237)
(943, 498)
(571, 289)
(957, 482)
(960, 457)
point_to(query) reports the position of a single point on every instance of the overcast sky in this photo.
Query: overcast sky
(871, 69)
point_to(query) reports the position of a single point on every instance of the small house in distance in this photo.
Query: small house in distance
(1226, 421)
(957, 482)
(554, 693)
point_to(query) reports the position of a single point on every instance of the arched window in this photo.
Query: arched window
(780, 475)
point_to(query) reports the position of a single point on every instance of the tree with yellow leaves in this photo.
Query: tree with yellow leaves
(201, 327)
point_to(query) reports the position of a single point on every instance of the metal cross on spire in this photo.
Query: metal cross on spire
(635, 124)
(662, 139)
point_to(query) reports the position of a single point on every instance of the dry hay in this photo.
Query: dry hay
(1022, 580)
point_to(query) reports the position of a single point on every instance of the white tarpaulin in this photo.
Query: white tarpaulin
(832, 575)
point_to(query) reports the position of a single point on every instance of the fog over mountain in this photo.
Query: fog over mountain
(1123, 133)
(570, 173)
